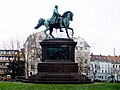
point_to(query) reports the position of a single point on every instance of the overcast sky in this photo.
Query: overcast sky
(97, 21)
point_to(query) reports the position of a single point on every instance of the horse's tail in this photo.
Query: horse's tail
(40, 23)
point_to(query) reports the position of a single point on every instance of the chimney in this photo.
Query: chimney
(91, 54)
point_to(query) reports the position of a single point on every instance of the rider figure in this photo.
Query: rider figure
(56, 17)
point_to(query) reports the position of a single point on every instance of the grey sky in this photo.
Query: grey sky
(97, 21)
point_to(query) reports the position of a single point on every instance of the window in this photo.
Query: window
(3, 64)
(1, 70)
(102, 66)
(6, 58)
(105, 66)
(30, 73)
(80, 42)
(105, 71)
(76, 59)
(5, 70)
(4, 52)
(102, 71)
(15, 52)
(81, 48)
(32, 66)
(76, 48)
(86, 61)
(85, 71)
(9, 52)
(96, 57)
(98, 71)
(6, 63)
(12, 52)
(113, 65)
(105, 77)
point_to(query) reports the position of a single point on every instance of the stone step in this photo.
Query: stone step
(57, 76)
(57, 79)
(62, 82)
(26, 81)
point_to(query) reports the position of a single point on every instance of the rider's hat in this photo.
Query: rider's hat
(56, 6)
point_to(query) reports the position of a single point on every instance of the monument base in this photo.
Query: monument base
(54, 72)
(58, 64)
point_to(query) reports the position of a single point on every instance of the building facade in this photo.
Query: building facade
(6, 57)
(100, 68)
(104, 68)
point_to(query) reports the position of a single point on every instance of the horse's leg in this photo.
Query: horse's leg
(72, 31)
(67, 32)
(51, 30)
(61, 29)
(46, 33)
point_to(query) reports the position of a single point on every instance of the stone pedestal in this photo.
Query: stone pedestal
(58, 50)
(58, 67)
(58, 64)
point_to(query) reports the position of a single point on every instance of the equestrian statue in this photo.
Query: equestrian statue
(57, 21)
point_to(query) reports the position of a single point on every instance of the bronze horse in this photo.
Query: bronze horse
(66, 18)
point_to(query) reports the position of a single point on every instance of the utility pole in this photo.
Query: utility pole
(114, 66)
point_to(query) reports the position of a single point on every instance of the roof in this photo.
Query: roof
(86, 44)
(112, 59)
(98, 58)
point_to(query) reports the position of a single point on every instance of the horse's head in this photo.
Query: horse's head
(68, 14)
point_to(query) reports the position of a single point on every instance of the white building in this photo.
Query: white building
(82, 55)
(33, 53)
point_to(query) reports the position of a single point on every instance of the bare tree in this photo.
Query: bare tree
(94, 68)
(33, 52)
(116, 72)
(13, 44)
